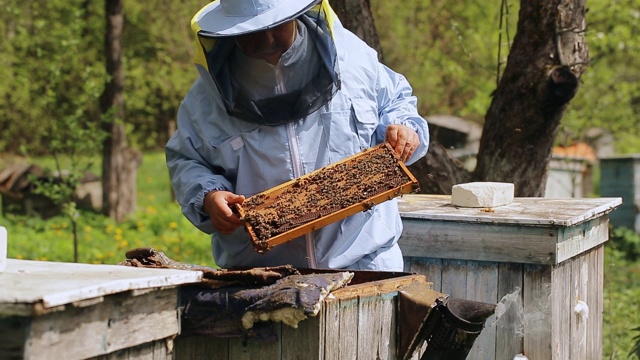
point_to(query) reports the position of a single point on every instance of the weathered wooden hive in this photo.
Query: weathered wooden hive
(324, 196)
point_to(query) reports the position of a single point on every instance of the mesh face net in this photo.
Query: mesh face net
(321, 83)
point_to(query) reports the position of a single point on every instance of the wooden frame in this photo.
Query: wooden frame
(408, 187)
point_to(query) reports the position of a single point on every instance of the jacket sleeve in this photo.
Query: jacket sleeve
(397, 105)
(192, 176)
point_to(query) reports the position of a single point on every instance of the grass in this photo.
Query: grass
(621, 304)
(160, 224)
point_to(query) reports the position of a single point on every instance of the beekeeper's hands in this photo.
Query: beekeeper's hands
(403, 140)
(217, 204)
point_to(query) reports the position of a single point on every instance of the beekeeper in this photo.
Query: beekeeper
(284, 90)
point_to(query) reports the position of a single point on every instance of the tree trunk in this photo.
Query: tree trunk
(119, 163)
(438, 171)
(356, 16)
(548, 56)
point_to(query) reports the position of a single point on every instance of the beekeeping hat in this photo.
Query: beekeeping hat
(222, 18)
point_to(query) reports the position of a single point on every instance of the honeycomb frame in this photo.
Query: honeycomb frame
(334, 192)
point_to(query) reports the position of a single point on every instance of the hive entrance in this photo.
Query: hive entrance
(324, 196)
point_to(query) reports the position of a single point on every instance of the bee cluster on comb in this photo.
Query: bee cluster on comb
(324, 196)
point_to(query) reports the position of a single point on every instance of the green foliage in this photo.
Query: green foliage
(621, 303)
(627, 243)
(46, 80)
(52, 64)
(635, 351)
(158, 223)
(609, 97)
(449, 52)
(622, 294)
(70, 139)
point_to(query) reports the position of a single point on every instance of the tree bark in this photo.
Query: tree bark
(438, 171)
(356, 16)
(548, 56)
(119, 163)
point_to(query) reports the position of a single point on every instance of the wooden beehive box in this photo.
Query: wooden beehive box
(324, 196)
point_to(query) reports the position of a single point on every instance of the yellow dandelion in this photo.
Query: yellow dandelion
(58, 232)
(100, 256)
(108, 229)
(44, 258)
(151, 210)
(64, 225)
(88, 229)
(118, 231)
(19, 257)
(123, 244)
(173, 225)
(118, 237)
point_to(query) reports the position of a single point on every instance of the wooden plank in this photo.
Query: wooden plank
(374, 288)
(429, 267)
(331, 334)
(482, 285)
(387, 343)
(121, 321)
(523, 211)
(537, 312)
(200, 347)
(369, 327)
(454, 278)
(478, 241)
(348, 343)
(341, 329)
(14, 334)
(305, 342)
(578, 288)
(241, 349)
(156, 350)
(509, 327)
(561, 310)
(593, 301)
(577, 239)
(53, 284)
(598, 309)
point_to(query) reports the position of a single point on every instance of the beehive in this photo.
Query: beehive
(324, 196)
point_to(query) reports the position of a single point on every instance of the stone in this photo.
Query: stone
(482, 194)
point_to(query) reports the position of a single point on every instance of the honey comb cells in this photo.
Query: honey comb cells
(323, 196)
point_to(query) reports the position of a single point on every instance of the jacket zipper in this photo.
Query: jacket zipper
(297, 169)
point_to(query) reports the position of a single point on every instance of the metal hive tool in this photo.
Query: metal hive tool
(324, 196)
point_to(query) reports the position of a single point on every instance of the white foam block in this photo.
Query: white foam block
(3, 248)
(482, 194)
